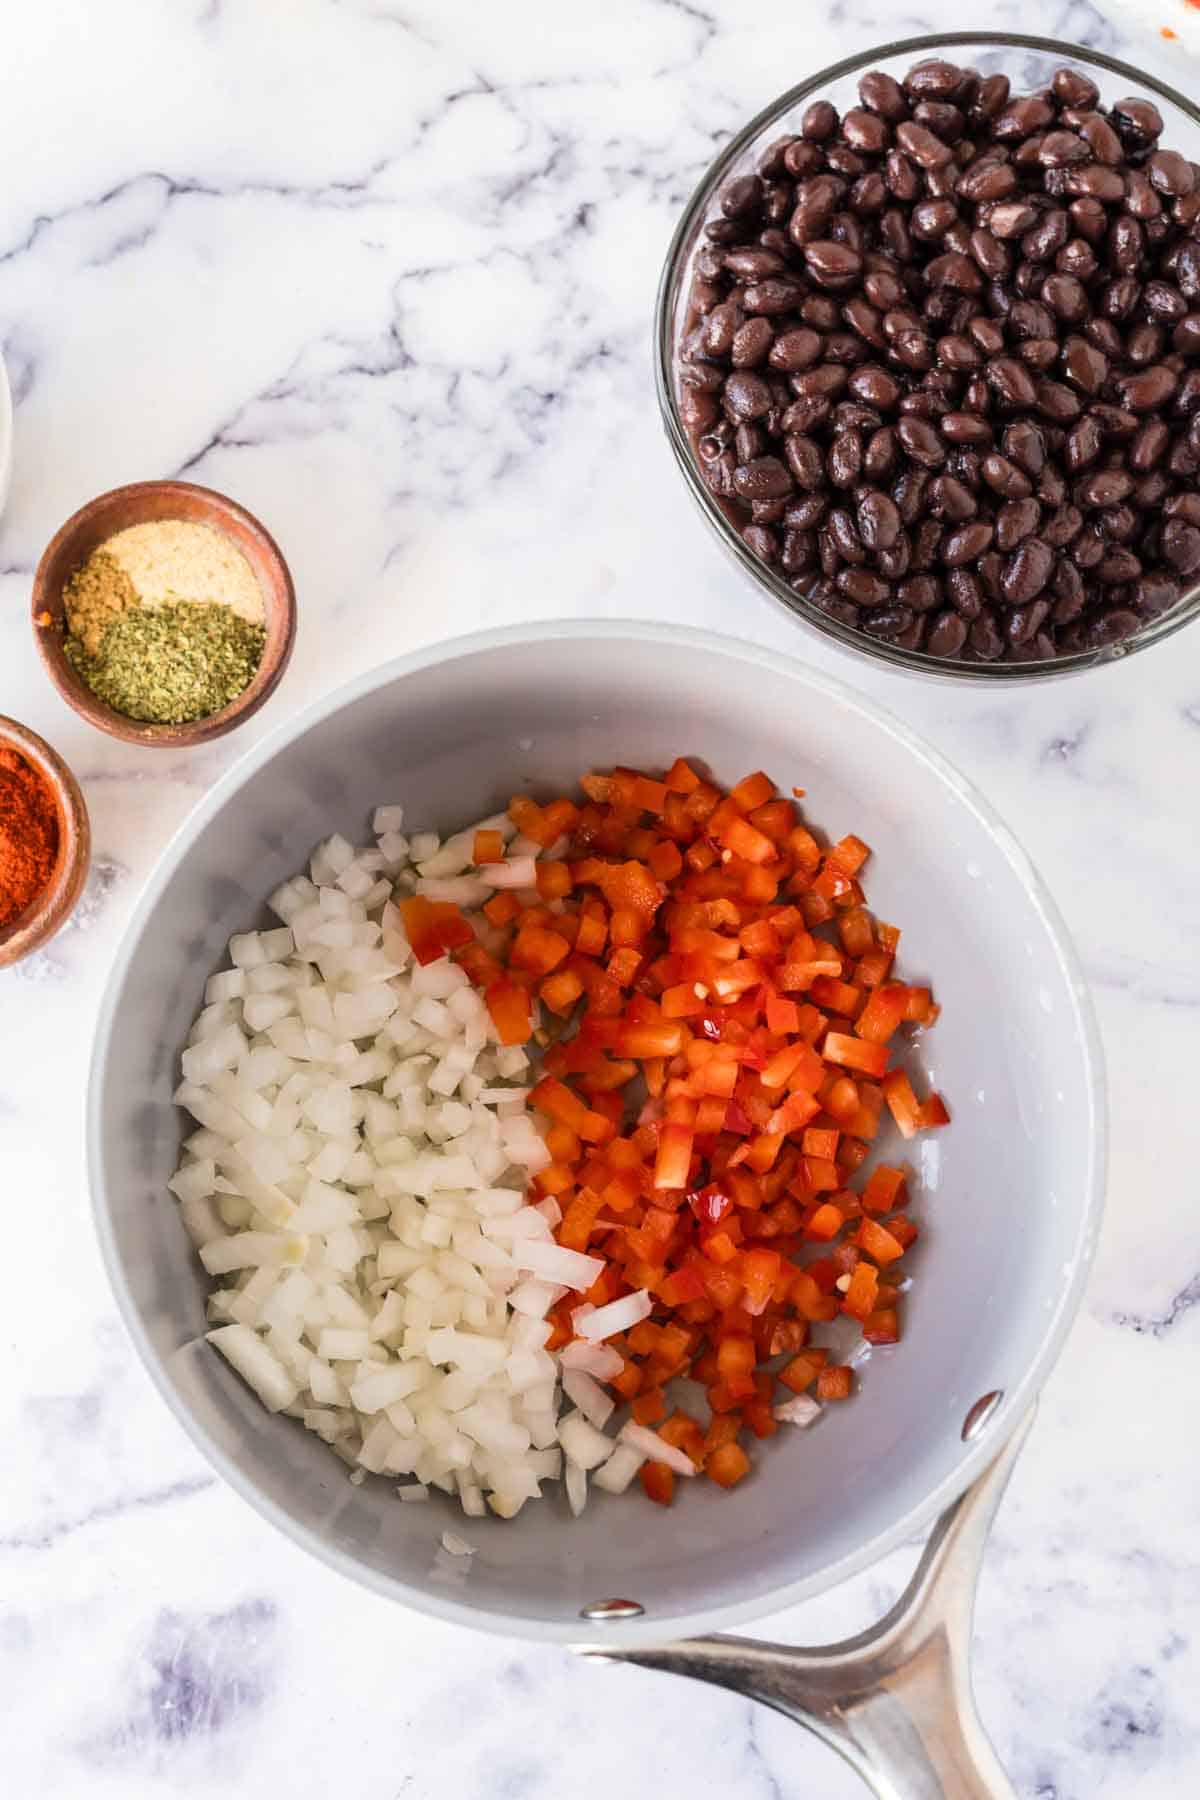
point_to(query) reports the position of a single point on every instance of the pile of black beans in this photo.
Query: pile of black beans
(942, 364)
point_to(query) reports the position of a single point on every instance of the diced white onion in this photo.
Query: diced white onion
(801, 1409)
(600, 1322)
(639, 1437)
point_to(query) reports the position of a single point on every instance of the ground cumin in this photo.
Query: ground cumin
(28, 835)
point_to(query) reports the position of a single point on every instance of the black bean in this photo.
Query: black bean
(1187, 269)
(762, 542)
(951, 500)
(894, 562)
(1085, 367)
(1024, 443)
(984, 638)
(1027, 571)
(962, 586)
(879, 457)
(806, 512)
(774, 295)
(748, 442)
(1010, 218)
(863, 587)
(1048, 236)
(1111, 626)
(1117, 566)
(1085, 441)
(884, 95)
(1070, 595)
(832, 265)
(763, 479)
(879, 522)
(1105, 487)
(944, 120)
(921, 146)
(805, 461)
(750, 345)
(1023, 621)
(1164, 302)
(844, 463)
(1147, 390)
(747, 397)
(1118, 523)
(1011, 382)
(1086, 550)
(1181, 546)
(947, 635)
(820, 121)
(1145, 344)
(1072, 88)
(1150, 445)
(864, 131)
(888, 621)
(967, 543)
(926, 541)
(921, 442)
(796, 350)
(1021, 118)
(920, 593)
(966, 428)
(1154, 594)
(1171, 173)
(875, 386)
(1062, 527)
(799, 551)
(741, 196)
(1017, 519)
(1051, 485)
(1004, 478)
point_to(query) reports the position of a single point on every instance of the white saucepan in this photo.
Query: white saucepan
(1009, 1195)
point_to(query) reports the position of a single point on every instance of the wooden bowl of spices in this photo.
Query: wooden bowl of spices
(164, 613)
(45, 841)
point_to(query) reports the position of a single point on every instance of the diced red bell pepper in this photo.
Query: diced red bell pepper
(855, 1053)
(882, 1327)
(835, 1383)
(860, 1296)
(434, 927)
(803, 1370)
(758, 1270)
(650, 1407)
(538, 950)
(902, 1102)
(674, 1158)
(849, 853)
(658, 1482)
(488, 847)
(727, 1465)
(509, 1007)
(877, 1242)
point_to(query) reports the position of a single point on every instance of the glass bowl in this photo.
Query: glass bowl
(1028, 62)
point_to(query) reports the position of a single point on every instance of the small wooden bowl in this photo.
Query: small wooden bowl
(48, 910)
(138, 504)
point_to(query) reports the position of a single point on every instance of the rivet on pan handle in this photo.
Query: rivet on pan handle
(896, 1700)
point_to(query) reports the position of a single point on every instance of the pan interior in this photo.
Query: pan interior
(1005, 1196)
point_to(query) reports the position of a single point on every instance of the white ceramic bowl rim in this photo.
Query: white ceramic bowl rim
(1017, 1400)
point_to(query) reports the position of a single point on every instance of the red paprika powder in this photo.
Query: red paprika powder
(28, 835)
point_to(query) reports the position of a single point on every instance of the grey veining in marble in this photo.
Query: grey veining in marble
(383, 269)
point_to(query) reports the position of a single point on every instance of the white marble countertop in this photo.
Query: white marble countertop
(383, 270)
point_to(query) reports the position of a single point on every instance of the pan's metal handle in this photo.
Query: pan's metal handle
(896, 1700)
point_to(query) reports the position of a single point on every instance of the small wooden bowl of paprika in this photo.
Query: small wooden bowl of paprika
(45, 841)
